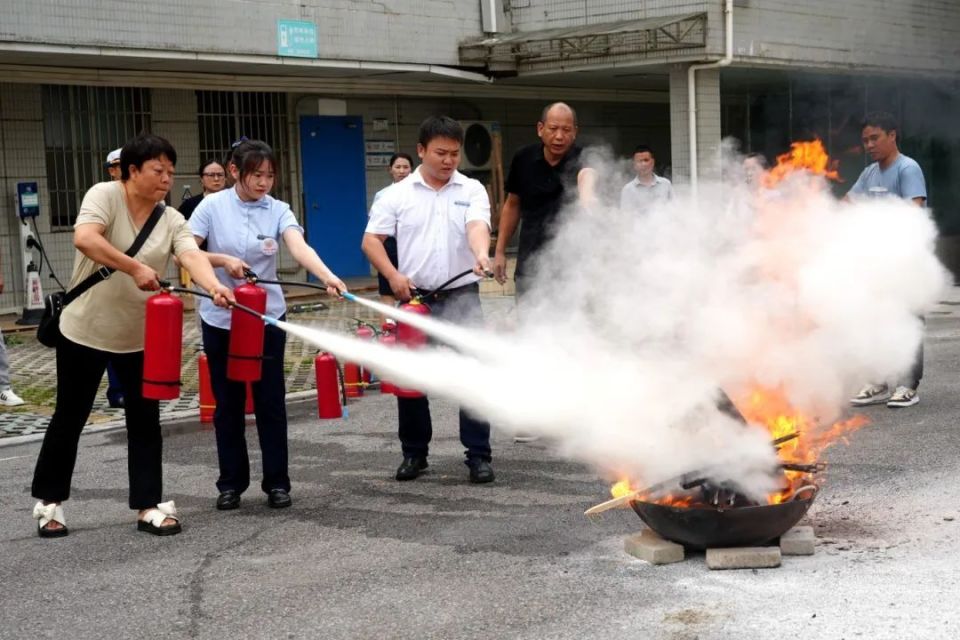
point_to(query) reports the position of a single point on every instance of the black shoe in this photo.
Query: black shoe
(228, 500)
(116, 404)
(278, 499)
(480, 471)
(410, 468)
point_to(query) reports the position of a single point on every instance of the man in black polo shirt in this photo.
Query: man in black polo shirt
(544, 177)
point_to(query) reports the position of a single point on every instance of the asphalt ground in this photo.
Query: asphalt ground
(360, 555)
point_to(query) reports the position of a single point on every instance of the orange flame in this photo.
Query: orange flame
(770, 409)
(803, 156)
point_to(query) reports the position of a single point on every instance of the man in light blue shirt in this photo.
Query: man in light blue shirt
(892, 174)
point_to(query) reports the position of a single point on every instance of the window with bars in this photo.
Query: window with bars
(224, 116)
(81, 125)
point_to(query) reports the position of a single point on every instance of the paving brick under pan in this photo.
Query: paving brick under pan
(647, 545)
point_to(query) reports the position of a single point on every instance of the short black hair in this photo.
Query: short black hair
(546, 110)
(440, 127)
(642, 148)
(203, 167)
(250, 154)
(141, 148)
(880, 120)
(397, 156)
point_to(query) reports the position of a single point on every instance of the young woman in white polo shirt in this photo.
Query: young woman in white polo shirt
(242, 227)
(441, 220)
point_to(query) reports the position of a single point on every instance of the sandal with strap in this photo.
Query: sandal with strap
(47, 513)
(152, 520)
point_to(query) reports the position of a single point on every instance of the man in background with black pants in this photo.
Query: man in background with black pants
(891, 175)
(544, 177)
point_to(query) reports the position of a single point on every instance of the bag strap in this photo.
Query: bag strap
(103, 272)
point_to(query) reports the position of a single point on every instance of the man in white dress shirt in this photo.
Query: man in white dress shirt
(647, 189)
(441, 220)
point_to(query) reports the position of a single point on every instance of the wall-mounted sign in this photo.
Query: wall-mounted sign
(379, 152)
(380, 146)
(378, 159)
(296, 39)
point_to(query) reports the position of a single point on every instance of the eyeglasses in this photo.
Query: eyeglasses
(215, 176)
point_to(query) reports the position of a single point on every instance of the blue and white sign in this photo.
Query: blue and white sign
(296, 39)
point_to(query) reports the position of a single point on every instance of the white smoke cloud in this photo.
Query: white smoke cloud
(637, 320)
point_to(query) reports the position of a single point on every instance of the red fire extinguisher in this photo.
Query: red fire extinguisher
(388, 338)
(365, 332)
(411, 338)
(328, 386)
(207, 402)
(245, 354)
(248, 407)
(352, 379)
(162, 342)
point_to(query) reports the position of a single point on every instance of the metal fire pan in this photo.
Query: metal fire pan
(711, 527)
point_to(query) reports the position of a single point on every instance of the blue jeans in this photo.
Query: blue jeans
(270, 408)
(461, 306)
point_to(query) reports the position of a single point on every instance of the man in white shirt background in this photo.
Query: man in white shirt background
(441, 220)
(647, 189)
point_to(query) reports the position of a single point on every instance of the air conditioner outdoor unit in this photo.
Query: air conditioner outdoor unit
(477, 145)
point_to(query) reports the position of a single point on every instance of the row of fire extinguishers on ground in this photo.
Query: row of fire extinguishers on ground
(163, 343)
(334, 386)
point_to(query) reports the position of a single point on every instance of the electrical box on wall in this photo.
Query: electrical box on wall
(477, 152)
(28, 200)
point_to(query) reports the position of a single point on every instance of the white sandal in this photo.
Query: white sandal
(152, 520)
(47, 513)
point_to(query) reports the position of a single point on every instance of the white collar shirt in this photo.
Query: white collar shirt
(430, 226)
(637, 196)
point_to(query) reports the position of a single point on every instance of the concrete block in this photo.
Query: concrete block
(648, 546)
(799, 541)
(744, 558)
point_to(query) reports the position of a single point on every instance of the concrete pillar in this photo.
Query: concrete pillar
(174, 116)
(708, 124)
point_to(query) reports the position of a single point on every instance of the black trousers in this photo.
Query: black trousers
(460, 306)
(383, 285)
(79, 371)
(269, 401)
(912, 379)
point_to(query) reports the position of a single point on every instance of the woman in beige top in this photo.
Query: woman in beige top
(105, 325)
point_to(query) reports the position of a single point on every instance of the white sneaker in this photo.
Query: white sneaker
(9, 399)
(903, 397)
(522, 438)
(871, 394)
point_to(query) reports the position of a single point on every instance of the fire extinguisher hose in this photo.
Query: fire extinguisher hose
(166, 286)
(322, 287)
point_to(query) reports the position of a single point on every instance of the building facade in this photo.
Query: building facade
(337, 86)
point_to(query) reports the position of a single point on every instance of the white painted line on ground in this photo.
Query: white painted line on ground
(12, 458)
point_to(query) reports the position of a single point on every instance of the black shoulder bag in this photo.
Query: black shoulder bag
(48, 331)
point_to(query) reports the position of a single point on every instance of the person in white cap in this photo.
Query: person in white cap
(114, 392)
(112, 165)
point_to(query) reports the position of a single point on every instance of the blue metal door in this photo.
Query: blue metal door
(334, 191)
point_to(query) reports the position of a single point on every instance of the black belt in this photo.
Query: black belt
(446, 293)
